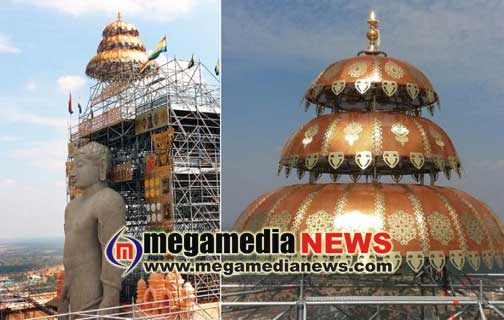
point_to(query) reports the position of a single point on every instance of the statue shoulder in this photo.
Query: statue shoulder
(110, 197)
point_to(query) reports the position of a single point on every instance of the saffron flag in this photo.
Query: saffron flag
(160, 47)
(70, 109)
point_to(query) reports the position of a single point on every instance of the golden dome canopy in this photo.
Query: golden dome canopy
(371, 81)
(382, 143)
(424, 221)
(120, 53)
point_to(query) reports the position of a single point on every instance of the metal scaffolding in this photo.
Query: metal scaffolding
(191, 99)
(427, 294)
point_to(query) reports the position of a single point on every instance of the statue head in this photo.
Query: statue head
(92, 164)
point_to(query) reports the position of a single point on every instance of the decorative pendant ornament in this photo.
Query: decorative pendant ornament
(362, 85)
(307, 105)
(474, 260)
(395, 259)
(434, 175)
(314, 176)
(416, 176)
(389, 87)
(457, 258)
(438, 162)
(335, 159)
(334, 177)
(417, 159)
(320, 109)
(309, 134)
(316, 92)
(311, 160)
(488, 258)
(400, 132)
(431, 109)
(447, 172)
(429, 94)
(412, 90)
(293, 161)
(363, 159)
(391, 158)
(338, 86)
(415, 260)
(352, 132)
(279, 171)
(437, 260)
(287, 171)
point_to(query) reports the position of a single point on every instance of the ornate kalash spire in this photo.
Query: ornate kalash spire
(120, 53)
(368, 128)
(373, 33)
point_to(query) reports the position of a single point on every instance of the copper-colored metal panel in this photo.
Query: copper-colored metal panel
(444, 225)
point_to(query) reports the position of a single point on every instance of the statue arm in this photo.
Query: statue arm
(111, 220)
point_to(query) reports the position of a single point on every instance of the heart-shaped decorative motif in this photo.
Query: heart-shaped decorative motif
(488, 259)
(293, 161)
(412, 90)
(363, 159)
(429, 94)
(457, 258)
(391, 158)
(335, 159)
(474, 260)
(389, 87)
(362, 85)
(311, 160)
(437, 260)
(417, 159)
(438, 162)
(394, 258)
(415, 260)
(338, 87)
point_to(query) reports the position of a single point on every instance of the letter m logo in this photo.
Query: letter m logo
(124, 251)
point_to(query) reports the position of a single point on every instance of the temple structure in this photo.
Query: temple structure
(369, 127)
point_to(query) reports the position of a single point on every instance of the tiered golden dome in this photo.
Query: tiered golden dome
(120, 53)
(375, 129)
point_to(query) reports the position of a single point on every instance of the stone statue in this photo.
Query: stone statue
(91, 219)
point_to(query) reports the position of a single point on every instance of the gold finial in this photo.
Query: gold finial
(118, 15)
(373, 33)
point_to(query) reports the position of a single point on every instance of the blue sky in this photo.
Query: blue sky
(273, 49)
(44, 48)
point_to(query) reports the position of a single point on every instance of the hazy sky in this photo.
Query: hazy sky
(273, 49)
(44, 48)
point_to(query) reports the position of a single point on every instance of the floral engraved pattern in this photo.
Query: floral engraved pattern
(357, 69)
(437, 138)
(352, 131)
(400, 132)
(394, 70)
(440, 227)
(280, 221)
(402, 227)
(309, 134)
(473, 227)
(320, 221)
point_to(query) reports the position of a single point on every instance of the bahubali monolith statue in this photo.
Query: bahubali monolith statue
(91, 219)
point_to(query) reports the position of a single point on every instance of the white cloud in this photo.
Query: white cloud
(6, 45)
(47, 155)
(6, 182)
(31, 85)
(15, 116)
(156, 9)
(70, 83)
